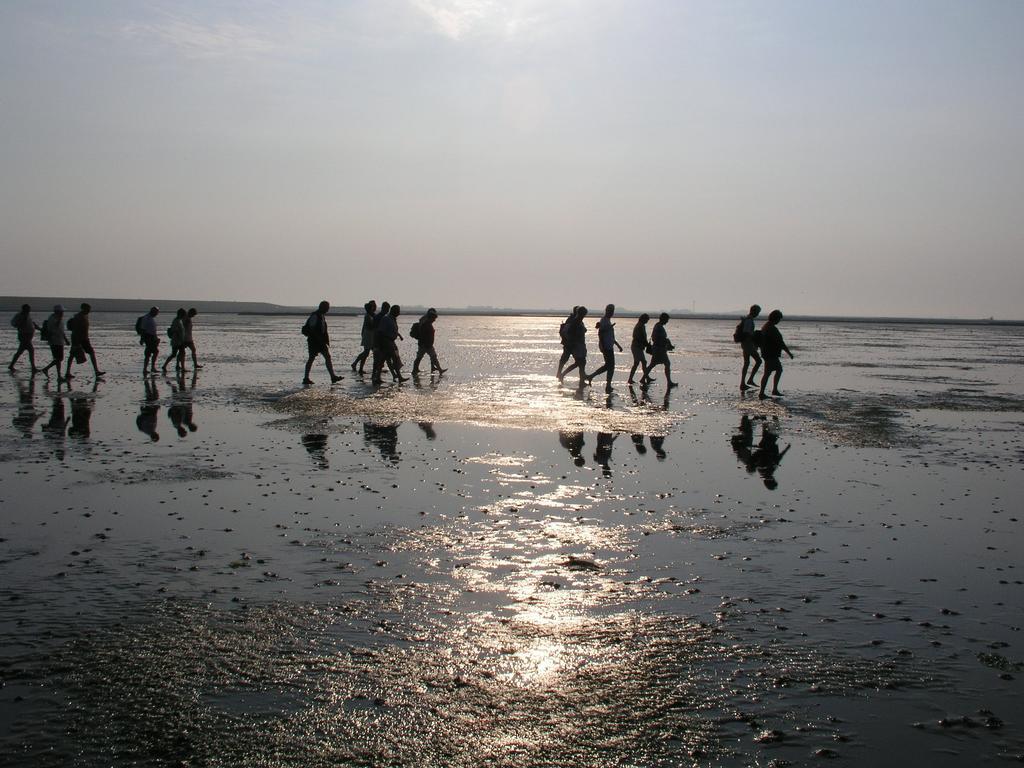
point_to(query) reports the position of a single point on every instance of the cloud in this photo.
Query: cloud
(458, 19)
(202, 40)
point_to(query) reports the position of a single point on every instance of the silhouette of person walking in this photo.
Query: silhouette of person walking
(26, 328)
(563, 335)
(576, 343)
(606, 343)
(53, 333)
(318, 341)
(638, 346)
(661, 345)
(188, 341)
(146, 325)
(749, 346)
(385, 350)
(176, 333)
(573, 442)
(365, 336)
(772, 347)
(80, 344)
(425, 343)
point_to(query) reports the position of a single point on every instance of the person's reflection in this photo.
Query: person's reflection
(765, 458)
(26, 416)
(603, 451)
(638, 443)
(149, 411)
(81, 414)
(180, 410)
(658, 444)
(743, 443)
(768, 457)
(428, 429)
(316, 446)
(56, 427)
(384, 437)
(573, 443)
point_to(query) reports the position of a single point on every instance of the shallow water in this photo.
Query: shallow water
(490, 568)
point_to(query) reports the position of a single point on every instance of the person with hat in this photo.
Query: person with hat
(425, 343)
(26, 331)
(80, 344)
(53, 332)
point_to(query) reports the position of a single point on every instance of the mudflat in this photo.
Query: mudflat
(225, 568)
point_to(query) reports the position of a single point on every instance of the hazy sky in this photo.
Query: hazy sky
(822, 156)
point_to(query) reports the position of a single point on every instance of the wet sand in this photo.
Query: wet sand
(491, 568)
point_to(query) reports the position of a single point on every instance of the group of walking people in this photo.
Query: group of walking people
(574, 345)
(52, 332)
(768, 339)
(179, 332)
(379, 338)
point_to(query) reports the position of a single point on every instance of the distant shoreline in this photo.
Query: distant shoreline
(43, 304)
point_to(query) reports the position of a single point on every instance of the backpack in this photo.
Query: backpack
(305, 328)
(44, 332)
(563, 331)
(414, 332)
(138, 324)
(737, 335)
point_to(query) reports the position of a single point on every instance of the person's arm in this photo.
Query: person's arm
(619, 346)
(784, 347)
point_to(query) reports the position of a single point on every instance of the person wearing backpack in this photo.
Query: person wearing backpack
(80, 344)
(53, 333)
(148, 338)
(772, 347)
(26, 331)
(424, 335)
(318, 341)
(563, 336)
(576, 344)
(176, 333)
(744, 336)
(187, 341)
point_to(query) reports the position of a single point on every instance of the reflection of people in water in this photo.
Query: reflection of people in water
(81, 415)
(638, 443)
(26, 416)
(658, 446)
(384, 437)
(765, 458)
(316, 446)
(603, 451)
(55, 428)
(149, 411)
(573, 443)
(428, 429)
(180, 409)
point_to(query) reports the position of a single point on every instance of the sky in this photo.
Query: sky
(819, 156)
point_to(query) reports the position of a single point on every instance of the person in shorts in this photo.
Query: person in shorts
(318, 342)
(149, 339)
(660, 347)
(576, 345)
(80, 344)
(53, 332)
(772, 347)
(749, 347)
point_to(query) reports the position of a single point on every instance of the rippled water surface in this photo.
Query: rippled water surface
(490, 568)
